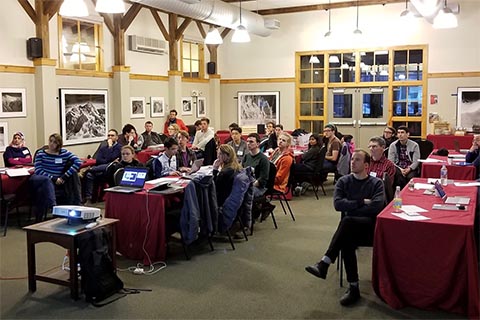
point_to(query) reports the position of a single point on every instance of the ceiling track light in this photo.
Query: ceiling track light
(357, 31)
(329, 32)
(241, 34)
(73, 8)
(110, 6)
(406, 13)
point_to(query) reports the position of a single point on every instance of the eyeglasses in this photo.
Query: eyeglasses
(110, 135)
(389, 132)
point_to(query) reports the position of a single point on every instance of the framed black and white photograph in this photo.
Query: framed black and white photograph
(3, 135)
(258, 107)
(83, 115)
(157, 107)
(468, 107)
(187, 106)
(14, 103)
(201, 107)
(137, 107)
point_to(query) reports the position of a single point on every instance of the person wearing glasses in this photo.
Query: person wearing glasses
(379, 164)
(106, 154)
(389, 135)
(333, 148)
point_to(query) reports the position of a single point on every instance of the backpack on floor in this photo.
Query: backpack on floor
(98, 278)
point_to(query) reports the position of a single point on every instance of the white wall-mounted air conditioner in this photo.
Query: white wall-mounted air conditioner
(146, 45)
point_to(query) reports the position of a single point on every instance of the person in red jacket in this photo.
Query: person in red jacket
(172, 118)
(282, 157)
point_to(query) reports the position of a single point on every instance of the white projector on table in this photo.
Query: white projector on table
(78, 213)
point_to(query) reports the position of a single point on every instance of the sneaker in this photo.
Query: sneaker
(351, 296)
(297, 191)
(319, 269)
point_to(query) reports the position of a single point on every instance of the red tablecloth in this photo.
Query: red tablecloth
(88, 162)
(447, 141)
(430, 264)
(16, 185)
(456, 172)
(144, 155)
(136, 222)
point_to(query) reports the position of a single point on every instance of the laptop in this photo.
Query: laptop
(197, 164)
(133, 180)
(449, 200)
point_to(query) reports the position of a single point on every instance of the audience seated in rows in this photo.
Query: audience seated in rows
(379, 164)
(404, 153)
(237, 143)
(203, 136)
(150, 137)
(55, 177)
(166, 163)
(172, 119)
(282, 157)
(269, 128)
(225, 167)
(127, 160)
(17, 153)
(97, 174)
(229, 138)
(185, 156)
(173, 130)
(272, 143)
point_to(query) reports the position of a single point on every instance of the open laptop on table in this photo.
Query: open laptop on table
(197, 164)
(449, 200)
(133, 180)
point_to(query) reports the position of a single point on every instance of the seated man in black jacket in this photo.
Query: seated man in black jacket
(361, 197)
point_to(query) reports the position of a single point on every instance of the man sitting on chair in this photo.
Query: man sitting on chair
(404, 153)
(361, 197)
(203, 136)
(379, 164)
(166, 163)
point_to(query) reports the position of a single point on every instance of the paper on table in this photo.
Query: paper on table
(430, 160)
(423, 186)
(407, 217)
(160, 180)
(467, 184)
(412, 209)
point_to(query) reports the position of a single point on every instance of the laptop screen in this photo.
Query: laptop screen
(441, 192)
(134, 177)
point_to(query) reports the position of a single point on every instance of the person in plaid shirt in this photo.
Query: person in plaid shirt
(378, 162)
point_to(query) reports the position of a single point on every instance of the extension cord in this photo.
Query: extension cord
(138, 271)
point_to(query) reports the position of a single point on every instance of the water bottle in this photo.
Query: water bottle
(397, 201)
(444, 175)
(411, 185)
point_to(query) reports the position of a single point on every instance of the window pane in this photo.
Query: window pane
(372, 105)
(318, 76)
(186, 50)
(195, 66)
(305, 125)
(317, 126)
(335, 75)
(400, 57)
(305, 95)
(305, 109)
(305, 76)
(399, 108)
(186, 65)
(304, 62)
(317, 109)
(317, 94)
(195, 51)
(342, 105)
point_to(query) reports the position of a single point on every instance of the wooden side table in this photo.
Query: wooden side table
(67, 236)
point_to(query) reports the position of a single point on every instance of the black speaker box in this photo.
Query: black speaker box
(34, 48)
(211, 68)
(261, 128)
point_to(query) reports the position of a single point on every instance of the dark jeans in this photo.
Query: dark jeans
(301, 173)
(351, 233)
(95, 174)
(402, 181)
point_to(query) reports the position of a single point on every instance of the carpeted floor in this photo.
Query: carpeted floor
(263, 278)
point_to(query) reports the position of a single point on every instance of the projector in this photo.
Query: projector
(77, 213)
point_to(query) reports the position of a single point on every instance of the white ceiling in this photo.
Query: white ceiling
(274, 4)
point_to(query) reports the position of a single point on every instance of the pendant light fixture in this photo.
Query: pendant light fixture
(445, 18)
(357, 31)
(73, 8)
(241, 34)
(406, 14)
(329, 32)
(110, 6)
(213, 36)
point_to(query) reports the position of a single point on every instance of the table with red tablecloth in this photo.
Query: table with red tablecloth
(455, 171)
(14, 185)
(429, 264)
(448, 141)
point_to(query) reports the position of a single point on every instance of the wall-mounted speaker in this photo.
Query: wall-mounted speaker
(211, 68)
(34, 48)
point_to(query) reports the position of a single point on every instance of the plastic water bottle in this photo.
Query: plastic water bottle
(397, 201)
(411, 185)
(444, 175)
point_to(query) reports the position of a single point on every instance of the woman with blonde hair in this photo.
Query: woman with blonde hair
(224, 170)
(173, 130)
(282, 157)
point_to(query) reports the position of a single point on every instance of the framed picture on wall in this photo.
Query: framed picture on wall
(137, 107)
(83, 115)
(258, 107)
(187, 106)
(201, 107)
(14, 102)
(468, 107)
(157, 107)
(3, 135)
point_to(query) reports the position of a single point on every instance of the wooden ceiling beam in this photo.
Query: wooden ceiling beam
(201, 29)
(326, 6)
(181, 29)
(28, 9)
(160, 24)
(130, 15)
(225, 32)
(51, 8)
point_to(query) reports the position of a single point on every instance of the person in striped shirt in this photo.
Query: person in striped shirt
(54, 169)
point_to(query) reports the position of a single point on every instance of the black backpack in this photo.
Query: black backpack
(98, 278)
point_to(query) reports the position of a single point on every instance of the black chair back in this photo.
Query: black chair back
(426, 147)
(388, 187)
(117, 176)
(272, 172)
(210, 153)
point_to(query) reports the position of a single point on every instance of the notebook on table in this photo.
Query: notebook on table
(133, 180)
(450, 200)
